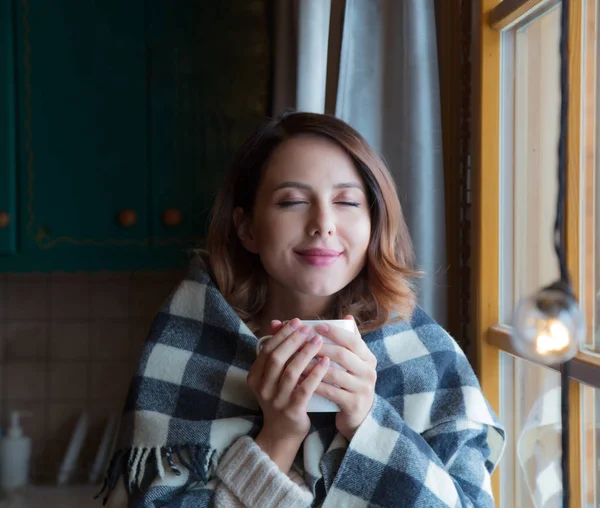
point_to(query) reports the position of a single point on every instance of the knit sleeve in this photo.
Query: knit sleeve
(250, 478)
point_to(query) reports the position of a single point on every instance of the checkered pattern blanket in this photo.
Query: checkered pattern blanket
(430, 439)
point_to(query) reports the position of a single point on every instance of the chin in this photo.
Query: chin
(318, 288)
(319, 292)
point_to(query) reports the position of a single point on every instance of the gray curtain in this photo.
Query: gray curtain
(387, 87)
(301, 54)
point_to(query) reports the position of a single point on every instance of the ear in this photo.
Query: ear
(243, 228)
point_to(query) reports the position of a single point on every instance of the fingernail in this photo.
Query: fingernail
(324, 361)
(295, 323)
(315, 340)
(305, 329)
(323, 328)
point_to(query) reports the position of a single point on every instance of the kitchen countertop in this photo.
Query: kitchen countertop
(48, 496)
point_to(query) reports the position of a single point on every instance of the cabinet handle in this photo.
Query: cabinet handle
(172, 217)
(127, 218)
(4, 219)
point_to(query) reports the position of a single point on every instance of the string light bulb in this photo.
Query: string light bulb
(549, 326)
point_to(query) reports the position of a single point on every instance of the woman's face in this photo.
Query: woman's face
(311, 224)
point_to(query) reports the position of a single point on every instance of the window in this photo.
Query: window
(590, 246)
(517, 95)
(530, 101)
(590, 188)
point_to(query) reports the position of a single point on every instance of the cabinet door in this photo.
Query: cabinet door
(82, 123)
(209, 87)
(8, 167)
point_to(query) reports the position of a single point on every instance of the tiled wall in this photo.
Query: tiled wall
(68, 343)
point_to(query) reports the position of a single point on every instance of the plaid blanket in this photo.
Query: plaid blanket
(430, 439)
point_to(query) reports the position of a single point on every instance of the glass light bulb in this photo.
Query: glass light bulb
(553, 337)
(548, 327)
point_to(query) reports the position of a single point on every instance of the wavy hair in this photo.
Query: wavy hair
(380, 294)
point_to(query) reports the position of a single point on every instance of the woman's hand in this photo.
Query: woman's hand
(274, 379)
(355, 390)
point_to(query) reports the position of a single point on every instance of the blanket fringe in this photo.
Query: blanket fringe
(132, 464)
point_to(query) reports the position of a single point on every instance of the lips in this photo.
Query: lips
(319, 257)
(319, 252)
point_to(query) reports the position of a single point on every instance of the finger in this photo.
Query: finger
(291, 375)
(350, 340)
(308, 369)
(335, 394)
(276, 360)
(276, 325)
(345, 358)
(305, 390)
(292, 344)
(256, 373)
(312, 365)
(366, 353)
(344, 380)
(288, 329)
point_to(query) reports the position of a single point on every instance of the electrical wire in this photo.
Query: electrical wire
(560, 235)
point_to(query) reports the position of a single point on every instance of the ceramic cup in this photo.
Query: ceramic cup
(318, 404)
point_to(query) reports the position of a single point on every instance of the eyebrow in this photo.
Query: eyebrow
(305, 186)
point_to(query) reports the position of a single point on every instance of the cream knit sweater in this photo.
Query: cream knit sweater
(250, 478)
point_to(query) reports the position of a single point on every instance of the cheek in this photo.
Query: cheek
(271, 230)
(360, 232)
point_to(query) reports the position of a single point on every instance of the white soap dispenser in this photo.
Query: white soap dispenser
(15, 455)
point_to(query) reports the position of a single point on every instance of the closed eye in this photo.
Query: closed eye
(287, 204)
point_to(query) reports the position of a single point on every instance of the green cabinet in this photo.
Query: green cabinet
(83, 145)
(8, 156)
(125, 116)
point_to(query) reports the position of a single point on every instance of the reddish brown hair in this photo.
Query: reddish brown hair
(381, 293)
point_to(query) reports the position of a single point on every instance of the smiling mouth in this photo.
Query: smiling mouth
(319, 257)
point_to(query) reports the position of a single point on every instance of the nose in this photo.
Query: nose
(322, 221)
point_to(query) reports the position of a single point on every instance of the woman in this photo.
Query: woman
(307, 226)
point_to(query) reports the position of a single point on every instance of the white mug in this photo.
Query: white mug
(318, 404)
